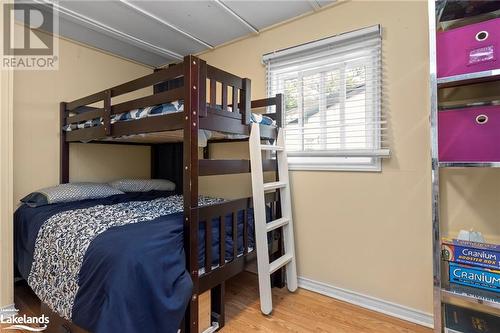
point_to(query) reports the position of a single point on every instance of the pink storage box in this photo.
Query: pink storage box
(468, 49)
(469, 135)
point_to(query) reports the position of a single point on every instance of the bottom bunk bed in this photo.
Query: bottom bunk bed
(96, 262)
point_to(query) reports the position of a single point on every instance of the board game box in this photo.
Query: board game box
(483, 278)
(471, 253)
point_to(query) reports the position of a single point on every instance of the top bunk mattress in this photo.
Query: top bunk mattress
(172, 136)
(152, 111)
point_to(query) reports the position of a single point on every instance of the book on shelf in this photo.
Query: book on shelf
(463, 320)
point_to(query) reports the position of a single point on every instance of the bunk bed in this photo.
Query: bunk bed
(188, 98)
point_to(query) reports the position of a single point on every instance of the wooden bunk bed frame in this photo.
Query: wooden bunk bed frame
(189, 80)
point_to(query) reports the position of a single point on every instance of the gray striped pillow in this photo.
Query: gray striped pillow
(68, 193)
(143, 185)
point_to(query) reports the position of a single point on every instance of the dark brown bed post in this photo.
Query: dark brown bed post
(64, 146)
(217, 303)
(106, 119)
(203, 100)
(190, 183)
(202, 73)
(245, 101)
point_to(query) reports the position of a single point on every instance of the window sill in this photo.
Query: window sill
(375, 166)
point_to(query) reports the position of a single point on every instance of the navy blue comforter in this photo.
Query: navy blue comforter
(133, 277)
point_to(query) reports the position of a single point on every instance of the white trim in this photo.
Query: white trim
(364, 32)
(375, 166)
(8, 311)
(384, 152)
(369, 302)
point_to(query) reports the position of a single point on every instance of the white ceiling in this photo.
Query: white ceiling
(163, 31)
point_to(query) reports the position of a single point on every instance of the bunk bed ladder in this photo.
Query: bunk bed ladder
(266, 268)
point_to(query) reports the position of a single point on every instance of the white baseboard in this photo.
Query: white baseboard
(368, 302)
(8, 311)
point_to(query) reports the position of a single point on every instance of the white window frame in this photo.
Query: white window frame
(344, 160)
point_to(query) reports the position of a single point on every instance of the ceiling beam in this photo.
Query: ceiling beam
(89, 21)
(166, 23)
(236, 16)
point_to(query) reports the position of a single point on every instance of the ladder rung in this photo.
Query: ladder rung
(273, 186)
(271, 147)
(276, 224)
(280, 262)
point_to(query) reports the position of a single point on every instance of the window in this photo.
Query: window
(332, 101)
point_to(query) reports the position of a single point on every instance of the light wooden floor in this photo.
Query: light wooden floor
(302, 311)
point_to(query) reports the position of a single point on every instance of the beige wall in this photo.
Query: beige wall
(366, 232)
(6, 171)
(82, 71)
(36, 97)
(6, 274)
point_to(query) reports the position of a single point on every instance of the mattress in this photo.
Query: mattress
(162, 109)
(133, 265)
(173, 136)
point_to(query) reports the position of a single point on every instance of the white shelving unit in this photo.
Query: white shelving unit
(442, 292)
(470, 78)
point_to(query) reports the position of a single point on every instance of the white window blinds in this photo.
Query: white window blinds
(332, 108)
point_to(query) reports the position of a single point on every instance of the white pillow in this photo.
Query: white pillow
(143, 185)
